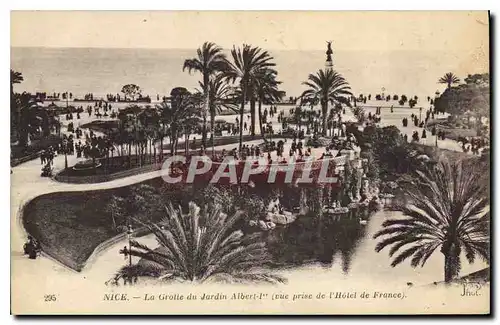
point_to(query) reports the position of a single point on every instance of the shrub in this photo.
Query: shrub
(253, 207)
(199, 246)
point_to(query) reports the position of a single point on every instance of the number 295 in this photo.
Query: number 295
(49, 298)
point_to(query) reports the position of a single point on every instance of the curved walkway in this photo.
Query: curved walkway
(26, 184)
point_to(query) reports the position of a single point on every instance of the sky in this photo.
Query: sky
(456, 32)
(374, 48)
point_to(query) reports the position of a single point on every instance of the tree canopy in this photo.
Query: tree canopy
(473, 96)
(449, 79)
(131, 91)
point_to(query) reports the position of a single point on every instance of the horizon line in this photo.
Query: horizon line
(192, 48)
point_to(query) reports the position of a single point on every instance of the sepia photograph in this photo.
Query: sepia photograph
(250, 162)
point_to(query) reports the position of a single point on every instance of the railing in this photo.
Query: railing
(18, 161)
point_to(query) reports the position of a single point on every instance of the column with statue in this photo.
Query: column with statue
(329, 52)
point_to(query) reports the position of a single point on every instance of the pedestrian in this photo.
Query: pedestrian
(42, 157)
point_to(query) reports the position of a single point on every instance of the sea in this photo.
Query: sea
(104, 71)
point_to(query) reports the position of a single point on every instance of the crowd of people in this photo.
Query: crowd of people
(47, 156)
(417, 122)
(95, 109)
(375, 118)
(469, 144)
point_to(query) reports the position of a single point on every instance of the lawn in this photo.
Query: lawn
(71, 225)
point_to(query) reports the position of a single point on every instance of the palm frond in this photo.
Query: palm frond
(449, 208)
(196, 247)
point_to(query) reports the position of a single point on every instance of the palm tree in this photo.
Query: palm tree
(220, 95)
(201, 246)
(15, 78)
(150, 119)
(327, 87)
(449, 79)
(359, 114)
(298, 113)
(181, 108)
(449, 210)
(247, 63)
(32, 118)
(267, 91)
(208, 62)
(127, 130)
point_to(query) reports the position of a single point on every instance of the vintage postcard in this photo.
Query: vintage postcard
(260, 162)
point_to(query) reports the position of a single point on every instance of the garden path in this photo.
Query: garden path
(27, 184)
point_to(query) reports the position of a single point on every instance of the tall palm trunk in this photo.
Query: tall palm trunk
(212, 129)
(299, 122)
(451, 254)
(173, 136)
(206, 80)
(252, 116)
(204, 131)
(260, 120)
(324, 109)
(241, 115)
(154, 153)
(150, 150)
(186, 142)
